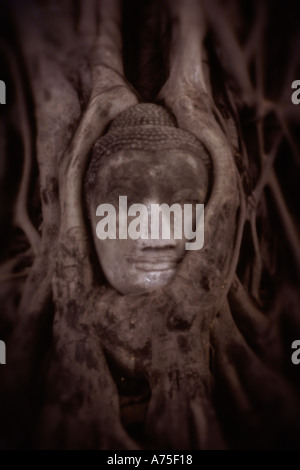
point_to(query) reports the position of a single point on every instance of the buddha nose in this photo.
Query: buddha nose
(160, 229)
(159, 244)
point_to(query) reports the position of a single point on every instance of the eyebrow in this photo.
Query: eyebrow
(186, 180)
(115, 180)
(127, 183)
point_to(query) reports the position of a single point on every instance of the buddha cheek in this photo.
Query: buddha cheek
(112, 255)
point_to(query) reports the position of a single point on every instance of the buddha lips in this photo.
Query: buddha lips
(152, 221)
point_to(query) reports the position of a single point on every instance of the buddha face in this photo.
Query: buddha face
(135, 265)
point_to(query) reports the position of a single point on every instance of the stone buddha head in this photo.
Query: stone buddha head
(147, 158)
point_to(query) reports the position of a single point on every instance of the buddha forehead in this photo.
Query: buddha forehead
(168, 158)
(168, 169)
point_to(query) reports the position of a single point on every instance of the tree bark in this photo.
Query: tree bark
(209, 348)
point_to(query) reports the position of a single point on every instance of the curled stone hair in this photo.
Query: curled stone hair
(148, 127)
